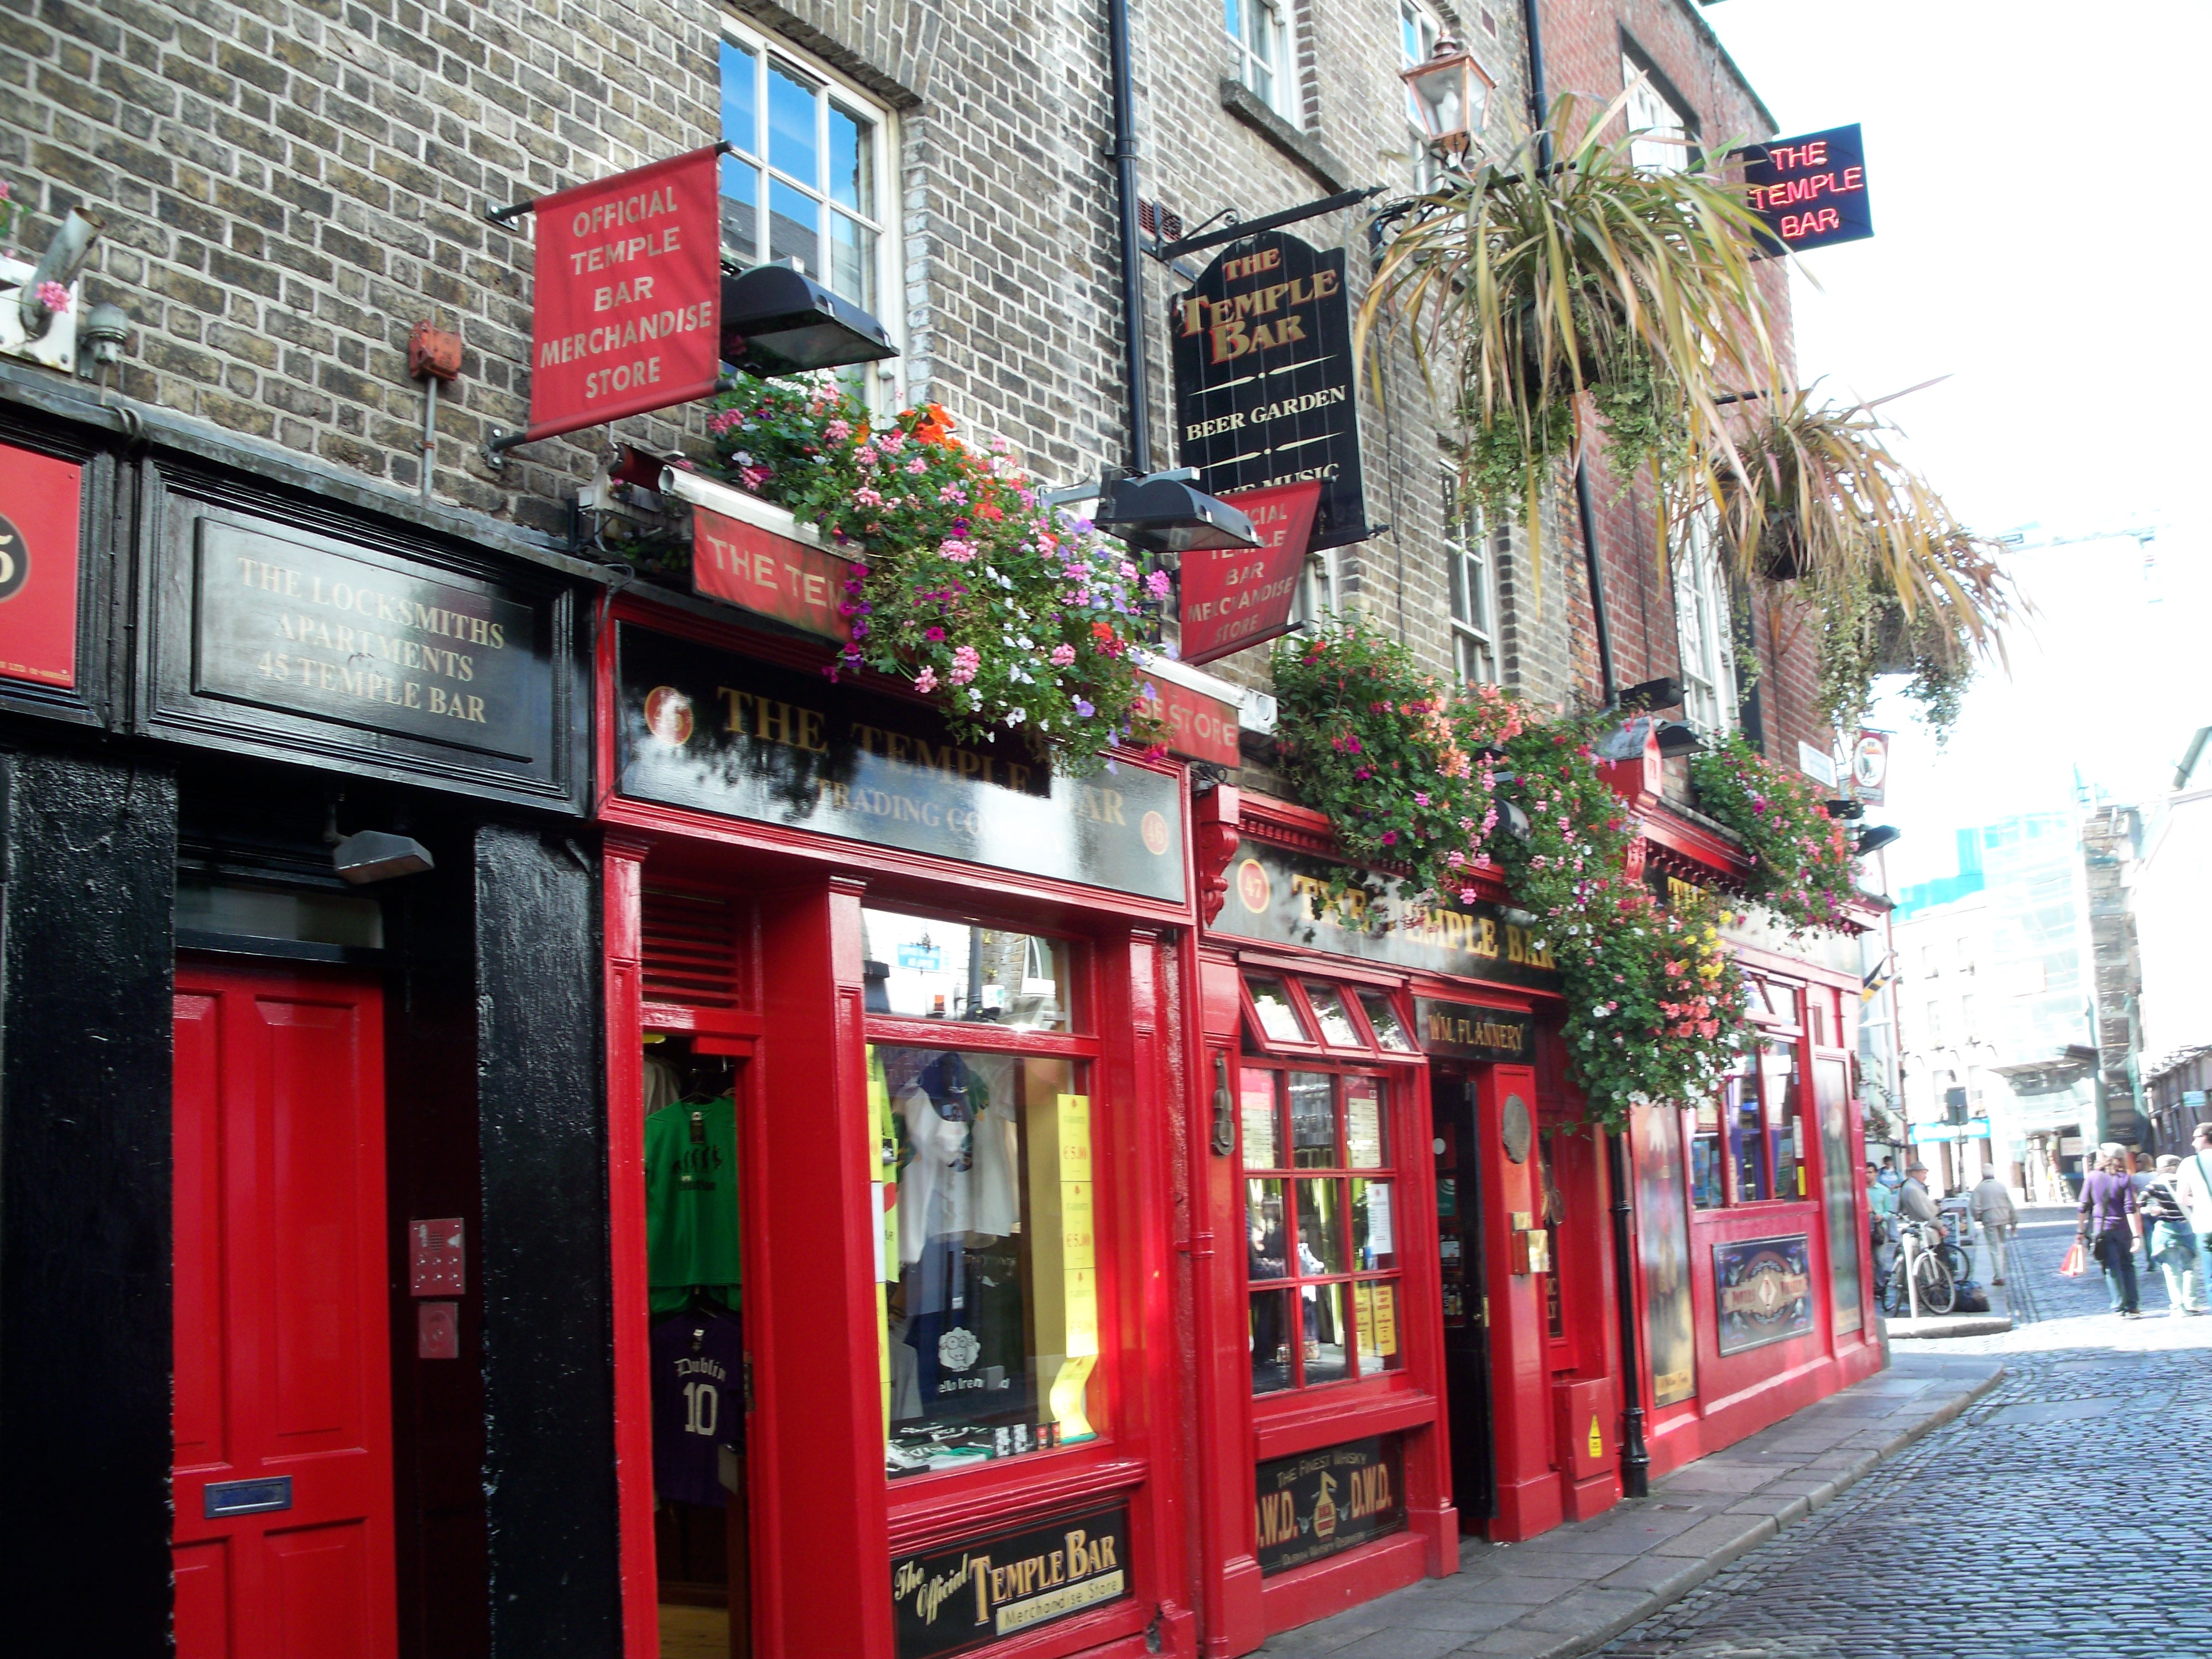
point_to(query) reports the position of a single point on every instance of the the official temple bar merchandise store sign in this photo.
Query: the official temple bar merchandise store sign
(947, 1600)
(1266, 386)
(1810, 192)
(39, 500)
(1231, 598)
(627, 275)
(707, 728)
(1272, 895)
(1319, 1503)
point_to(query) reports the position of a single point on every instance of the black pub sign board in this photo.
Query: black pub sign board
(948, 1600)
(1317, 1504)
(705, 727)
(1266, 392)
(1810, 191)
(1467, 1030)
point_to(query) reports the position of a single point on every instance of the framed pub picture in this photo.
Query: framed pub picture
(54, 496)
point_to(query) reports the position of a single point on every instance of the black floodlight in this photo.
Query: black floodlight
(1652, 695)
(369, 855)
(1843, 808)
(1876, 836)
(1161, 512)
(776, 320)
(1678, 737)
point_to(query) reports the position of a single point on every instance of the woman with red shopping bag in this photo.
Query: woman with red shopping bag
(2111, 1224)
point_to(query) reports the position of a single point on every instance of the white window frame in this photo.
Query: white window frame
(1473, 583)
(1667, 146)
(1418, 30)
(888, 303)
(1270, 21)
(1317, 588)
(1705, 630)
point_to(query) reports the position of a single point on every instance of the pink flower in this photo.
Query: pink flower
(926, 680)
(838, 431)
(917, 464)
(7, 189)
(1419, 800)
(933, 634)
(1063, 655)
(965, 662)
(951, 494)
(54, 297)
(1157, 584)
(956, 550)
(865, 497)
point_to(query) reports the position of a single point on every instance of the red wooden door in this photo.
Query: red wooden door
(283, 1418)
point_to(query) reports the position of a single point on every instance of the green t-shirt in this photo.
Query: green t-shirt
(691, 1204)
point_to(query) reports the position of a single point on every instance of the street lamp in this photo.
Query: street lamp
(1451, 93)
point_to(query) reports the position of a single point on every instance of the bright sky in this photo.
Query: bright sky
(2037, 240)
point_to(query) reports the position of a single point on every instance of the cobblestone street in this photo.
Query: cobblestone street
(2063, 1514)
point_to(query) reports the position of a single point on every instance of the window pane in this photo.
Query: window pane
(1233, 16)
(1327, 1356)
(1267, 1235)
(795, 227)
(991, 1302)
(852, 261)
(1271, 1341)
(920, 968)
(792, 145)
(1746, 1130)
(852, 161)
(1313, 1120)
(1363, 1124)
(1383, 1015)
(1374, 1226)
(1374, 1320)
(1263, 1148)
(1321, 1225)
(1706, 1172)
(1336, 1027)
(1278, 1020)
(741, 97)
(741, 211)
(1782, 1116)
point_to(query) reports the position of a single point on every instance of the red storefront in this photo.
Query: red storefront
(919, 1000)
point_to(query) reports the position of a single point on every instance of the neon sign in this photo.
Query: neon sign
(1811, 190)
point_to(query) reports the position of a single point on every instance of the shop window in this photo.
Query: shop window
(1262, 42)
(991, 1302)
(1382, 1020)
(1785, 1122)
(1320, 1221)
(1746, 1133)
(1271, 1006)
(918, 968)
(1474, 576)
(1706, 1192)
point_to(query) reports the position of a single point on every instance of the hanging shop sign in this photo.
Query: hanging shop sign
(1271, 897)
(948, 1600)
(1266, 390)
(1670, 1332)
(1232, 597)
(1870, 766)
(1200, 728)
(1466, 1030)
(703, 727)
(40, 499)
(1763, 1290)
(1320, 1503)
(1810, 191)
(627, 274)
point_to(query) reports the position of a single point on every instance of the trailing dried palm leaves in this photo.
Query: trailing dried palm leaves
(1521, 286)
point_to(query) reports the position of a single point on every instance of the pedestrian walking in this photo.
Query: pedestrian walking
(2174, 1244)
(1993, 1213)
(2193, 1187)
(2112, 1221)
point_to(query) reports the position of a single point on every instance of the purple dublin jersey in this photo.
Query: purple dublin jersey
(698, 1403)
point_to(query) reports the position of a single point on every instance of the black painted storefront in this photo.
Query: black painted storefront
(167, 762)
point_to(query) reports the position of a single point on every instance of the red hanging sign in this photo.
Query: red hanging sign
(774, 575)
(629, 312)
(1200, 728)
(1238, 597)
(38, 559)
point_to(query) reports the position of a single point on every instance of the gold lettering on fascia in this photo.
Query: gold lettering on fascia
(370, 657)
(1263, 317)
(1451, 931)
(1465, 1033)
(1079, 1557)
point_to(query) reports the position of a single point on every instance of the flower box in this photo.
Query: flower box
(757, 556)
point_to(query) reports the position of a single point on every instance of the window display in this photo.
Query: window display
(919, 968)
(989, 1270)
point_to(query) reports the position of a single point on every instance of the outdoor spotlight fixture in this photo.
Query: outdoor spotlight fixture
(1651, 694)
(1450, 94)
(1678, 737)
(1517, 821)
(1162, 513)
(369, 855)
(776, 319)
(1843, 808)
(1876, 836)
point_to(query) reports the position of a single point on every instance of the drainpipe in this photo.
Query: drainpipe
(1132, 271)
(1635, 1455)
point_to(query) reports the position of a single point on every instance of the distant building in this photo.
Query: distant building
(2174, 910)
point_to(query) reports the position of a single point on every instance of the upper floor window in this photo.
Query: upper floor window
(1263, 56)
(1418, 31)
(1662, 132)
(1703, 620)
(808, 180)
(1318, 587)
(1474, 590)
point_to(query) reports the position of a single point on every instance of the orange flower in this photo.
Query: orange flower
(935, 425)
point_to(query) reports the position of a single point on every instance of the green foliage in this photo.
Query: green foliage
(1802, 867)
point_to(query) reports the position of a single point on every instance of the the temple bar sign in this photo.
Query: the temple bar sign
(1810, 191)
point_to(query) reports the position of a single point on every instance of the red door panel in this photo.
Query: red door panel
(282, 1384)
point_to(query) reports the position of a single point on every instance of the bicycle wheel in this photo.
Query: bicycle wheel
(1956, 1261)
(1932, 1280)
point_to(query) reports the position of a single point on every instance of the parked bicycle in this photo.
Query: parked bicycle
(1934, 1286)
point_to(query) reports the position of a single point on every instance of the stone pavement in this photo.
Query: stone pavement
(1570, 1590)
